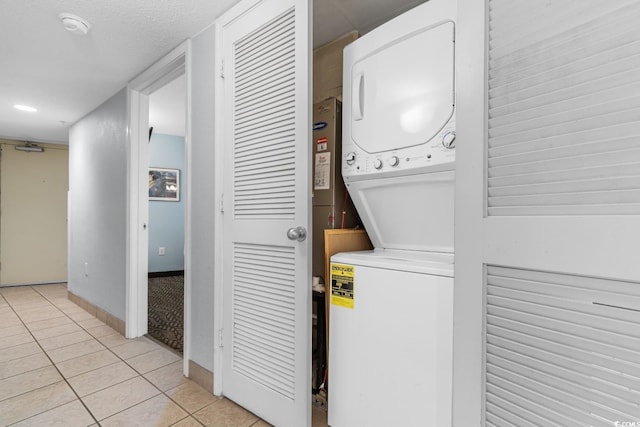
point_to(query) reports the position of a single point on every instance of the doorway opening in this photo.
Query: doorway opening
(141, 240)
(166, 163)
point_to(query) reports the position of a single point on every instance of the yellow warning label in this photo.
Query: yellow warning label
(342, 276)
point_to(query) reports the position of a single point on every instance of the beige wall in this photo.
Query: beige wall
(327, 68)
(33, 214)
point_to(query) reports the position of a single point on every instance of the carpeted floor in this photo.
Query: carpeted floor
(166, 310)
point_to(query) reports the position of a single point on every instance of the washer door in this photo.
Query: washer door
(413, 212)
(402, 95)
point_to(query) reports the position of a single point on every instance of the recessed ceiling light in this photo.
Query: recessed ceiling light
(26, 108)
(74, 24)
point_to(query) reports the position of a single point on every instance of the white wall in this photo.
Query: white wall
(202, 203)
(97, 208)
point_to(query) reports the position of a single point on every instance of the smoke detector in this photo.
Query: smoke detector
(74, 24)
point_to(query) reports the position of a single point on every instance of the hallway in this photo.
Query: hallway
(59, 365)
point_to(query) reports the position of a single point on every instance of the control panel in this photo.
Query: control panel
(434, 155)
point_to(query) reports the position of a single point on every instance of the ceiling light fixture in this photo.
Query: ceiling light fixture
(26, 108)
(74, 24)
(30, 147)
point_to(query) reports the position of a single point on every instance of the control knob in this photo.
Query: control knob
(350, 158)
(394, 161)
(377, 164)
(449, 140)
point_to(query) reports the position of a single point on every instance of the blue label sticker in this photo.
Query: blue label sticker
(319, 125)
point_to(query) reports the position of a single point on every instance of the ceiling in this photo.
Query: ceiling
(65, 76)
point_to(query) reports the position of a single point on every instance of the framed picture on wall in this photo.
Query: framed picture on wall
(164, 184)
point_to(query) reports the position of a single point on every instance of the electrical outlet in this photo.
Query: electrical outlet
(161, 250)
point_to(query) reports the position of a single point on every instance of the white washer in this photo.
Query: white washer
(391, 351)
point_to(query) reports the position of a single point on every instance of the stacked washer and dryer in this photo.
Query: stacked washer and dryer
(391, 337)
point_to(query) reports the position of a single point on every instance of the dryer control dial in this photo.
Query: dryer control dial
(350, 158)
(449, 140)
(394, 161)
(377, 164)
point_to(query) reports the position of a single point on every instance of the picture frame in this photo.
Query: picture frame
(164, 184)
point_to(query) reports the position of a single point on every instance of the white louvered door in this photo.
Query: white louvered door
(266, 179)
(548, 214)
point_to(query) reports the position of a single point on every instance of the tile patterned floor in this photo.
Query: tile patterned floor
(59, 365)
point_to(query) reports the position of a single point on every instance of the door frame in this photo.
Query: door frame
(174, 64)
(471, 117)
(218, 228)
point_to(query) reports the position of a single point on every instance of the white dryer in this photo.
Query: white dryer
(398, 140)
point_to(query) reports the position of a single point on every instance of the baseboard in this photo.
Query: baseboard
(201, 376)
(167, 273)
(100, 314)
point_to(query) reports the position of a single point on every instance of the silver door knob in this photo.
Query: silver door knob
(298, 233)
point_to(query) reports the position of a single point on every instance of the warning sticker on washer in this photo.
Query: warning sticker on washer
(342, 276)
(322, 178)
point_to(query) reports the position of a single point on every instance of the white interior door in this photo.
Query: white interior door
(264, 60)
(547, 214)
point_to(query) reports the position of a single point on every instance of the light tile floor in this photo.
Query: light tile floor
(59, 365)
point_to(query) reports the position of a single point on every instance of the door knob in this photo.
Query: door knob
(298, 233)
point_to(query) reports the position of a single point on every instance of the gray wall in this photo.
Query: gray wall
(98, 188)
(97, 207)
(202, 203)
(166, 218)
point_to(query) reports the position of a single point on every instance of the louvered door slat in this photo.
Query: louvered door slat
(259, 40)
(278, 102)
(563, 163)
(263, 341)
(573, 199)
(557, 86)
(584, 313)
(258, 118)
(265, 69)
(595, 40)
(254, 311)
(574, 407)
(544, 112)
(596, 377)
(560, 89)
(579, 388)
(624, 183)
(539, 404)
(500, 418)
(272, 80)
(593, 122)
(564, 342)
(605, 136)
(555, 150)
(621, 169)
(535, 416)
(276, 154)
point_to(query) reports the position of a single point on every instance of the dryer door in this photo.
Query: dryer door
(402, 95)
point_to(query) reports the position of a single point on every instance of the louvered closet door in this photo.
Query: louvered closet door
(558, 224)
(267, 293)
(563, 337)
